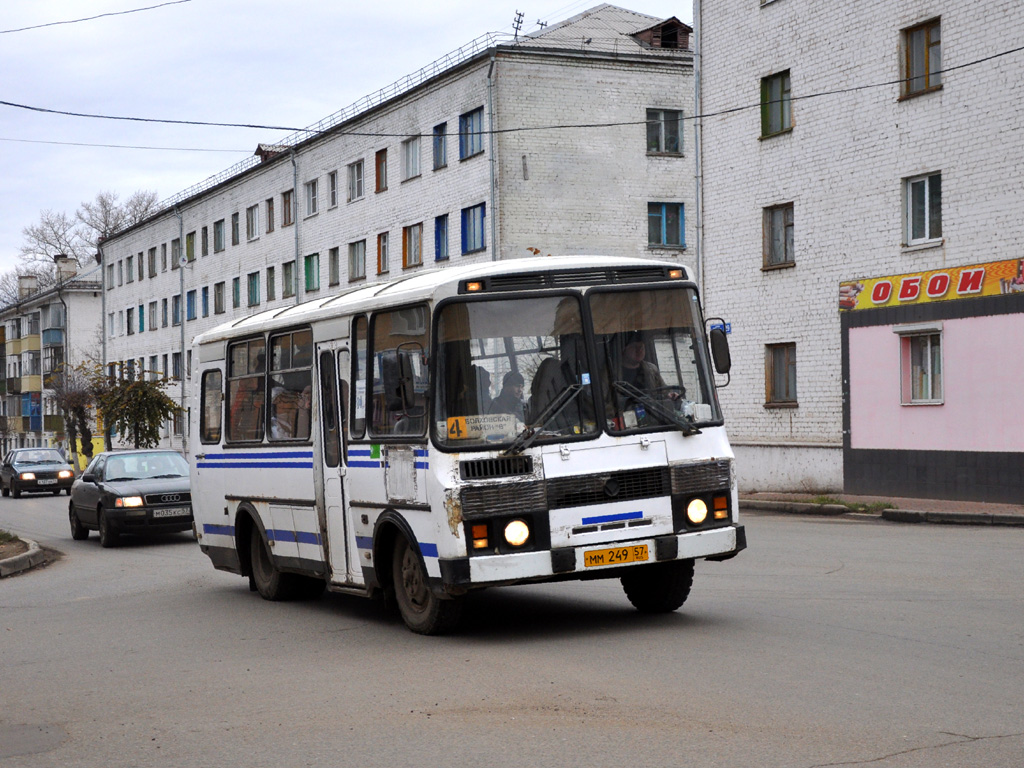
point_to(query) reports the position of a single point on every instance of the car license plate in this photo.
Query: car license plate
(52, 481)
(636, 553)
(172, 512)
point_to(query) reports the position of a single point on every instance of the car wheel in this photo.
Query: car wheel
(659, 587)
(57, 492)
(422, 611)
(108, 534)
(78, 531)
(68, 491)
(4, 489)
(15, 491)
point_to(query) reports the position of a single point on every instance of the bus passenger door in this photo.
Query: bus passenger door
(333, 507)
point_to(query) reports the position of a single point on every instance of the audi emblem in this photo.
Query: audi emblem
(167, 498)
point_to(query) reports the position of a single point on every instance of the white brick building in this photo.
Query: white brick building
(880, 141)
(491, 152)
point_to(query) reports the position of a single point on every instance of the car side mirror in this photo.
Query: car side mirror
(88, 477)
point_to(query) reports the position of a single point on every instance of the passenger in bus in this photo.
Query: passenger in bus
(638, 371)
(510, 400)
(483, 389)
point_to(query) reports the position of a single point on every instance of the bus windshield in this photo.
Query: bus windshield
(652, 360)
(504, 364)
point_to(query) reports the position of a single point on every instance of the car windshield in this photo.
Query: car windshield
(144, 466)
(512, 372)
(38, 457)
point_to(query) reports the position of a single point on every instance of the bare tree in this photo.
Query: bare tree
(139, 206)
(9, 280)
(55, 232)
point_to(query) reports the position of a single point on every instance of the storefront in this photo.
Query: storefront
(933, 368)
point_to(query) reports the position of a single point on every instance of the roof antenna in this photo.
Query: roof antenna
(518, 23)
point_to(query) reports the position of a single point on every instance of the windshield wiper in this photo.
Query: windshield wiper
(666, 414)
(161, 477)
(525, 438)
(118, 479)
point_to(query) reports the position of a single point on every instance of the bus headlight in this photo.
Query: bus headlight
(697, 511)
(517, 533)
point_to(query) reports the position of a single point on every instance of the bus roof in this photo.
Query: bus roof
(415, 287)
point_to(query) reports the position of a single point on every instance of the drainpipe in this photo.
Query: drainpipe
(103, 305)
(490, 127)
(295, 223)
(698, 146)
(181, 325)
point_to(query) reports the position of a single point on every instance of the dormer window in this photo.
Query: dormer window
(670, 33)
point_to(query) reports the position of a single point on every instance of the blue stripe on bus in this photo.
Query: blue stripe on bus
(299, 537)
(254, 464)
(219, 530)
(428, 550)
(364, 542)
(421, 452)
(612, 518)
(422, 465)
(365, 464)
(359, 451)
(265, 455)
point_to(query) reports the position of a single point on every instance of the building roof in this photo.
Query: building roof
(604, 28)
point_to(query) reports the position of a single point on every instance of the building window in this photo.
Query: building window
(206, 241)
(288, 279)
(163, 257)
(163, 313)
(412, 246)
(333, 266)
(129, 316)
(312, 204)
(152, 315)
(776, 111)
(176, 310)
(471, 136)
(271, 284)
(218, 298)
(176, 365)
(411, 158)
(923, 215)
(252, 222)
(778, 235)
(287, 208)
(381, 164)
(142, 318)
(382, 253)
(235, 238)
(357, 260)
(441, 237)
(141, 266)
(110, 277)
(355, 180)
(190, 246)
(663, 131)
(922, 58)
(218, 236)
(440, 145)
(236, 292)
(312, 272)
(270, 214)
(152, 262)
(175, 253)
(120, 273)
(780, 374)
(665, 225)
(190, 305)
(921, 368)
(206, 301)
(473, 220)
(332, 184)
(130, 269)
(253, 284)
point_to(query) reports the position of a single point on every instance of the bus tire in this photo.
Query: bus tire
(659, 587)
(269, 581)
(422, 611)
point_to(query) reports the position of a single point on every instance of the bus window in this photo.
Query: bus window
(246, 366)
(210, 415)
(358, 427)
(329, 409)
(399, 387)
(291, 385)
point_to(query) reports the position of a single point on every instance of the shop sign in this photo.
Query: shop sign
(991, 279)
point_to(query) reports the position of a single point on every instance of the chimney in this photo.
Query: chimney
(67, 267)
(27, 285)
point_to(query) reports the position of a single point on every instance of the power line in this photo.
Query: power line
(91, 18)
(120, 146)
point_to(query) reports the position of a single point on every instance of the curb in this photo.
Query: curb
(795, 507)
(889, 515)
(30, 559)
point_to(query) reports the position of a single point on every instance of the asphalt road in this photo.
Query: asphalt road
(829, 642)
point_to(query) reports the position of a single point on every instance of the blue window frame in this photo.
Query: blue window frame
(190, 305)
(441, 237)
(665, 225)
(206, 301)
(142, 318)
(473, 220)
(471, 136)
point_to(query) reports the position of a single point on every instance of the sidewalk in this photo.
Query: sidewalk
(894, 509)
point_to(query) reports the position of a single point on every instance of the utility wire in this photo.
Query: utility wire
(90, 18)
(121, 146)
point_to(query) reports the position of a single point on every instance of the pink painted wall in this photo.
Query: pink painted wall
(983, 386)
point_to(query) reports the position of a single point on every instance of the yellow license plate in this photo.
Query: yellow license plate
(636, 553)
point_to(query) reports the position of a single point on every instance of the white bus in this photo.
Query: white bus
(520, 421)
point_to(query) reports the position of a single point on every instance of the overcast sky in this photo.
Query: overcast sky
(230, 61)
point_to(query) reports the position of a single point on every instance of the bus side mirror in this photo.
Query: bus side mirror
(720, 349)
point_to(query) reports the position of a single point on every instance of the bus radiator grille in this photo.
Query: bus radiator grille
(504, 466)
(504, 499)
(626, 485)
(699, 478)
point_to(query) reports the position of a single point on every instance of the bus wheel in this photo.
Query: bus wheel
(422, 611)
(270, 582)
(659, 587)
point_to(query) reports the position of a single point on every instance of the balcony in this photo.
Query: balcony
(13, 347)
(29, 343)
(31, 383)
(54, 337)
(14, 385)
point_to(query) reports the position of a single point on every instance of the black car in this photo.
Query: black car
(131, 492)
(35, 470)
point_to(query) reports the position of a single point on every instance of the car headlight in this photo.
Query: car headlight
(128, 501)
(64, 474)
(28, 475)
